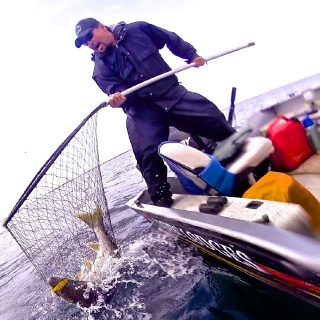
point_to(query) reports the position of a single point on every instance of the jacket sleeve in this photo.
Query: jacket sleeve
(175, 44)
(110, 83)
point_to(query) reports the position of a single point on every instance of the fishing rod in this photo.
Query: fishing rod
(172, 72)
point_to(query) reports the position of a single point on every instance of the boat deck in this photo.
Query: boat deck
(281, 215)
(308, 174)
(287, 216)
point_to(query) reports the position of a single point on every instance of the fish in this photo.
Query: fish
(82, 293)
(81, 289)
(105, 247)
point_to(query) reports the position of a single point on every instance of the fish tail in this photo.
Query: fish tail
(92, 219)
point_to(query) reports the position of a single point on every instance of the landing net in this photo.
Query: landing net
(43, 221)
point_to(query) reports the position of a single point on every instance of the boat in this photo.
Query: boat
(272, 241)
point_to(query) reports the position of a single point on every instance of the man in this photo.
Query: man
(127, 54)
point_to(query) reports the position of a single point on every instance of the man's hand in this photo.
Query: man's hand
(116, 100)
(199, 61)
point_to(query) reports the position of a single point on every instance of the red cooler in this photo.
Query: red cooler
(291, 145)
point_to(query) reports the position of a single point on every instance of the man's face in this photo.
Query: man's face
(100, 39)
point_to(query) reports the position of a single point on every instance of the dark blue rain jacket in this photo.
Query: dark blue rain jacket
(136, 58)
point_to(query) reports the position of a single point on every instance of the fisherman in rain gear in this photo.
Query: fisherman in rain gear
(128, 54)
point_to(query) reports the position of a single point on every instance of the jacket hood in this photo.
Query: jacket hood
(113, 26)
(117, 29)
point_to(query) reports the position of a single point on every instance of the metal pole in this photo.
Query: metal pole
(172, 72)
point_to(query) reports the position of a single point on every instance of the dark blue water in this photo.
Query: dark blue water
(162, 278)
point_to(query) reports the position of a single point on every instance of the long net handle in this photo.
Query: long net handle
(190, 65)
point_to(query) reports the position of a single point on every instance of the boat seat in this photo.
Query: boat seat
(200, 173)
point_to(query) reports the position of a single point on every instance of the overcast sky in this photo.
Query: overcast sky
(46, 85)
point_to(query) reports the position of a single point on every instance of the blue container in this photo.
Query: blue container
(313, 133)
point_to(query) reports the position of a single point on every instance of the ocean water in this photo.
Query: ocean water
(162, 278)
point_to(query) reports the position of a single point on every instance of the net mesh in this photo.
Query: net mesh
(43, 221)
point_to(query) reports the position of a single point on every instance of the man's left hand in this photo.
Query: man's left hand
(199, 61)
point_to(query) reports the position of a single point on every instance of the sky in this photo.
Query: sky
(47, 89)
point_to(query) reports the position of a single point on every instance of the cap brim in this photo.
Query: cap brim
(78, 42)
(82, 38)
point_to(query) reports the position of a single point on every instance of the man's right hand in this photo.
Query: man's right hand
(116, 100)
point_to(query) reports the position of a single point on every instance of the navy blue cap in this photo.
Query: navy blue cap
(83, 28)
